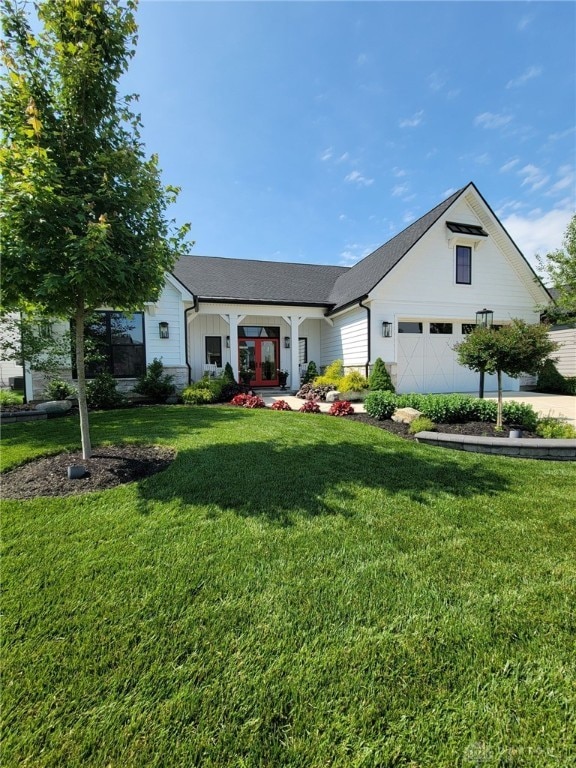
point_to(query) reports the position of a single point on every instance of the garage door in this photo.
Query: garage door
(427, 361)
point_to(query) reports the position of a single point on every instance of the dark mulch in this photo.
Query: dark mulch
(107, 468)
(17, 408)
(477, 428)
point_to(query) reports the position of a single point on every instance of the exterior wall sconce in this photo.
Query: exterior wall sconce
(286, 342)
(227, 342)
(484, 318)
(387, 329)
(164, 330)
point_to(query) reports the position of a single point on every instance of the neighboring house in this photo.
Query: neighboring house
(409, 302)
(10, 371)
(564, 335)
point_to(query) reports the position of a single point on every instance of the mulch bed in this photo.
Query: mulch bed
(476, 428)
(107, 468)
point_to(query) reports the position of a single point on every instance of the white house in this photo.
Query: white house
(408, 302)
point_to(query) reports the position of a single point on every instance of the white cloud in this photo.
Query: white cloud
(436, 81)
(448, 192)
(524, 22)
(490, 120)
(566, 180)
(538, 233)
(362, 59)
(529, 74)
(534, 177)
(354, 252)
(412, 122)
(509, 165)
(355, 177)
(326, 155)
(399, 190)
(342, 159)
(408, 217)
(562, 134)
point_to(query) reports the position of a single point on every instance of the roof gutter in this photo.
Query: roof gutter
(369, 321)
(186, 359)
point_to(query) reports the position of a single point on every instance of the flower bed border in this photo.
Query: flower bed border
(518, 447)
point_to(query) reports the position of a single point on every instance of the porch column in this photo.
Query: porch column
(294, 352)
(233, 322)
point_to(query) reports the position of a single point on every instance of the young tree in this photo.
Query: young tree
(560, 268)
(379, 378)
(512, 349)
(83, 213)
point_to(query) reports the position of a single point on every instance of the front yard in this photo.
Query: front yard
(294, 590)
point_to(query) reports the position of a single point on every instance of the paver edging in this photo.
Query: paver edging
(517, 447)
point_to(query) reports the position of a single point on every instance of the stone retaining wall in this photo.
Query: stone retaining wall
(519, 447)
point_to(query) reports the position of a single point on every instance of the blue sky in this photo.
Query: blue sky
(315, 131)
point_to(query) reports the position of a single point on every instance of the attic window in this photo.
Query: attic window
(466, 229)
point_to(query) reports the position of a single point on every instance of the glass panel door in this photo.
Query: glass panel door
(247, 361)
(268, 361)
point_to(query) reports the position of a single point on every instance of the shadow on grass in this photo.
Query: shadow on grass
(148, 424)
(275, 482)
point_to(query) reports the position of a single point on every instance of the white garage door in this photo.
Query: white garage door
(427, 361)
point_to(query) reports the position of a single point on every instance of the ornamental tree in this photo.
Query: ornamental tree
(83, 213)
(511, 349)
(560, 268)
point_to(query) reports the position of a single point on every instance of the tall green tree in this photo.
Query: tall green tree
(83, 213)
(559, 267)
(512, 349)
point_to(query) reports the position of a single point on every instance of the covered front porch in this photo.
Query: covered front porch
(259, 342)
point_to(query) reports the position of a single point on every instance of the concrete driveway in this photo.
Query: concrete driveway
(558, 406)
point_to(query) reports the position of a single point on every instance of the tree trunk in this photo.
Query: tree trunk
(81, 373)
(499, 416)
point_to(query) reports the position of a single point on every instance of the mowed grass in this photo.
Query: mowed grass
(295, 590)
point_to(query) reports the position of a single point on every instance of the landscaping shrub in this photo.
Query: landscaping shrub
(380, 405)
(311, 406)
(102, 393)
(555, 428)
(280, 405)
(421, 424)
(155, 384)
(212, 390)
(197, 396)
(332, 375)
(519, 414)
(379, 379)
(228, 374)
(248, 401)
(570, 385)
(312, 392)
(58, 389)
(10, 398)
(311, 372)
(352, 382)
(551, 380)
(341, 408)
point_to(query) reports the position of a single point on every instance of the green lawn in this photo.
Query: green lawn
(295, 590)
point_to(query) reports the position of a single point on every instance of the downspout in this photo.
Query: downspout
(187, 361)
(369, 321)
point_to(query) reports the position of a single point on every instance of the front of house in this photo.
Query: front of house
(408, 303)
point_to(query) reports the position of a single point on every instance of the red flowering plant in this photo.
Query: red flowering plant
(239, 400)
(341, 408)
(254, 401)
(280, 405)
(310, 406)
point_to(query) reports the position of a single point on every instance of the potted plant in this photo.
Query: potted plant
(246, 376)
(282, 377)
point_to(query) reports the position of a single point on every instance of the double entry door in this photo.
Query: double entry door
(261, 358)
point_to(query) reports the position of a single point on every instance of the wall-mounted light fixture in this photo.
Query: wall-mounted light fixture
(387, 329)
(484, 318)
(227, 342)
(164, 330)
(287, 342)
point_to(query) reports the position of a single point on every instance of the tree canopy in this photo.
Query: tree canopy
(560, 268)
(83, 214)
(513, 349)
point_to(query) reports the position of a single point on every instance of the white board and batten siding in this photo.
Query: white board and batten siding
(346, 339)
(169, 309)
(422, 288)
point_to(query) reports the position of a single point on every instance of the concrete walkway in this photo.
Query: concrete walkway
(558, 406)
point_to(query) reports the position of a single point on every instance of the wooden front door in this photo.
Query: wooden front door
(261, 358)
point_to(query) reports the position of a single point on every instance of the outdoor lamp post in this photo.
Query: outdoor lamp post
(484, 319)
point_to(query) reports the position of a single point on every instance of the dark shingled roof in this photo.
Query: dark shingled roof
(313, 284)
(263, 281)
(365, 275)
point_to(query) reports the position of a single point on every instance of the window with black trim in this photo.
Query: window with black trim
(440, 327)
(467, 328)
(302, 350)
(463, 264)
(408, 327)
(214, 350)
(114, 344)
